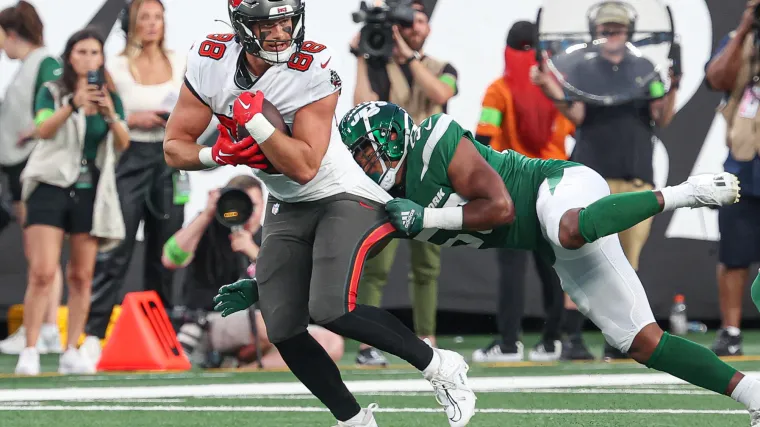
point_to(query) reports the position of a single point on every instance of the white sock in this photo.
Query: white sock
(733, 331)
(432, 368)
(747, 392)
(676, 197)
(49, 329)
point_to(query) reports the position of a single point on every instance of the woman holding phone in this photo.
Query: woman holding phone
(21, 39)
(148, 77)
(69, 188)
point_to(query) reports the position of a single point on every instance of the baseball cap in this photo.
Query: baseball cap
(612, 13)
(522, 35)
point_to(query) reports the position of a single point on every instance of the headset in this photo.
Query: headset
(633, 16)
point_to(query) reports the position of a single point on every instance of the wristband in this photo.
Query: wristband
(175, 254)
(207, 157)
(443, 218)
(259, 128)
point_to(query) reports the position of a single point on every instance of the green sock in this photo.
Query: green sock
(616, 213)
(692, 363)
(756, 291)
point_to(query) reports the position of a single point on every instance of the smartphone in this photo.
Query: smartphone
(95, 78)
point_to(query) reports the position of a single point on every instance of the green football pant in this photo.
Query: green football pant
(426, 266)
(756, 291)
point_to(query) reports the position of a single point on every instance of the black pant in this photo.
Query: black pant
(146, 191)
(513, 267)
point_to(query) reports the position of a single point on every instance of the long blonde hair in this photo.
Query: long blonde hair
(134, 47)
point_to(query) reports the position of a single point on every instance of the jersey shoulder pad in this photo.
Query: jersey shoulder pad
(209, 60)
(439, 136)
(316, 61)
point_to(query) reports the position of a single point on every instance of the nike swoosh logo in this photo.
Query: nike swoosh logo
(325, 64)
(246, 106)
(223, 154)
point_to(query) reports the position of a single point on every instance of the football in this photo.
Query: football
(275, 118)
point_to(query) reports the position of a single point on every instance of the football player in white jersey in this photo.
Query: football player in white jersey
(324, 214)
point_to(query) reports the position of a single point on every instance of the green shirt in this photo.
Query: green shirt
(428, 184)
(50, 70)
(97, 128)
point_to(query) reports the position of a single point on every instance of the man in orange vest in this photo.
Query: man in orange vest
(517, 116)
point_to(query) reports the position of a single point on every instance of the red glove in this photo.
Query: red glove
(244, 152)
(247, 110)
(246, 106)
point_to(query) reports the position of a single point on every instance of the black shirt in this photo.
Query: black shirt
(214, 265)
(617, 141)
(381, 83)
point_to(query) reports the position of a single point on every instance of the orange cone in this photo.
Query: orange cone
(143, 338)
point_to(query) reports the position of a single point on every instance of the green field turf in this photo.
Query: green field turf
(524, 394)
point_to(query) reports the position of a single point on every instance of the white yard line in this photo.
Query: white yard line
(478, 384)
(110, 408)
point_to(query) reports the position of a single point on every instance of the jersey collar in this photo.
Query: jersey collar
(243, 79)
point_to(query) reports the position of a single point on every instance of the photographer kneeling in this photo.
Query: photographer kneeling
(215, 253)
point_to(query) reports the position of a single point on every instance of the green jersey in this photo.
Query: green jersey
(427, 183)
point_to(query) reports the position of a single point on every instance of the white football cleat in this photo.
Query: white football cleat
(754, 418)
(451, 390)
(368, 420)
(75, 362)
(713, 189)
(28, 362)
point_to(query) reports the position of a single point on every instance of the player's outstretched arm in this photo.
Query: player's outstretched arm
(186, 124)
(489, 204)
(299, 157)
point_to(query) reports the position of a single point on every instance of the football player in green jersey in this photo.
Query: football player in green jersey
(453, 191)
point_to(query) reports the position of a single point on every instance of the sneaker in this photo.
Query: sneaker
(371, 357)
(74, 361)
(449, 383)
(368, 420)
(15, 343)
(91, 348)
(28, 362)
(611, 353)
(575, 349)
(546, 351)
(713, 189)
(727, 345)
(49, 340)
(498, 352)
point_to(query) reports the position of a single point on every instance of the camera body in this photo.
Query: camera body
(376, 37)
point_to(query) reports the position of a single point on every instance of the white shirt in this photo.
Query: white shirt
(217, 75)
(137, 97)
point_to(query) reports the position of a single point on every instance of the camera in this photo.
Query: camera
(234, 207)
(376, 37)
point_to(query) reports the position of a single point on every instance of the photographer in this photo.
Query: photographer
(211, 252)
(423, 86)
(615, 140)
(733, 70)
(69, 187)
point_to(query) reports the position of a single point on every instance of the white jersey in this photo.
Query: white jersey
(217, 75)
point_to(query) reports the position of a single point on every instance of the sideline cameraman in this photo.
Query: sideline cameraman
(423, 86)
(616, 141)
(211, 253)
(732, 70)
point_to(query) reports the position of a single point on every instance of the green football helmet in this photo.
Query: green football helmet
(375, 123)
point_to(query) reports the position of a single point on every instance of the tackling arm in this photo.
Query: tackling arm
(489, 204)
(186, 124)
(299, 157)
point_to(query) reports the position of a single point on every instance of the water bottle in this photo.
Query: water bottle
(679, 324)
(697, 327)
